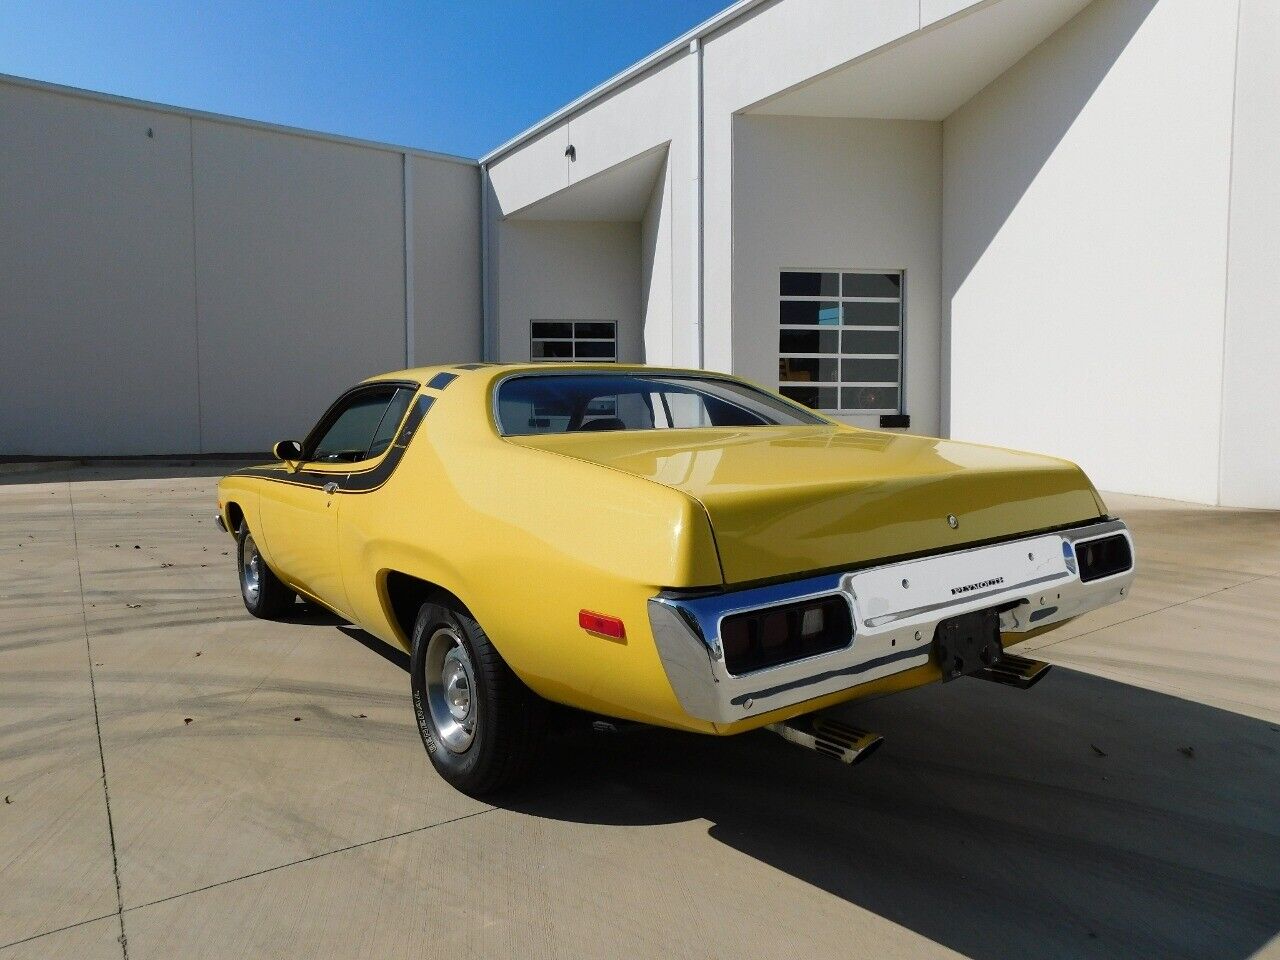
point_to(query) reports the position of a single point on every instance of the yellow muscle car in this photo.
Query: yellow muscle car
(672, 547)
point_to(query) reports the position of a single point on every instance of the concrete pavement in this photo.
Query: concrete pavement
(266, 794)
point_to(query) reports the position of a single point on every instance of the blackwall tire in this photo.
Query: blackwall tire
(483, 729)
(263, 593)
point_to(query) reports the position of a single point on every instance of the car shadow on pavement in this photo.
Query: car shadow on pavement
(1083, 818)
(313, 614)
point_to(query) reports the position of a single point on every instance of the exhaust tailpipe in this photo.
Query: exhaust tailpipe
(828, 736)
(1015, 671)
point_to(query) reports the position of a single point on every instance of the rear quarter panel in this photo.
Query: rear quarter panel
(526, 539)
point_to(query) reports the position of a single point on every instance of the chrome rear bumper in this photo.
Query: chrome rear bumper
(896, 608)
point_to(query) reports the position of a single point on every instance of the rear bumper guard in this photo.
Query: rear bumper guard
(1034, 582)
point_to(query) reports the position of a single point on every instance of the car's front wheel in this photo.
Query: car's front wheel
(483, 728)
(264, 594)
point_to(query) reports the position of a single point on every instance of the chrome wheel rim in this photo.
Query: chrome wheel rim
(451, 689)
(251, 570)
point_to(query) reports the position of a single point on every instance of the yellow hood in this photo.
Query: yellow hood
(788, 500)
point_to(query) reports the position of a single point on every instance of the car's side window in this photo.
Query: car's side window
(390, 424)
(348, 435)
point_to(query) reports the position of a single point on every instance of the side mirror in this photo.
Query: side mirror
(287, 450)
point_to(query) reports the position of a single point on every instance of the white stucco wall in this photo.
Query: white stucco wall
(1250, 467)
(567, 270)
(831, 193)
(1085, 239)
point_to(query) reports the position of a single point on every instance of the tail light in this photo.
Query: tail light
(1104, 557)
(776, 635)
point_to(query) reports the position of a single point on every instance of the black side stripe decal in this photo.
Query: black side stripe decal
(366, 480)
(442, 380)
(471, 366)
(283, 475)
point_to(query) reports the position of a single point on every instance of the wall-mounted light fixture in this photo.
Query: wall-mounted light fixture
(571, 152)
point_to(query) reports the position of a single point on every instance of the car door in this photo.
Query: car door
(300, 513)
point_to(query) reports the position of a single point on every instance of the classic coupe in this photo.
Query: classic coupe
(673, 547)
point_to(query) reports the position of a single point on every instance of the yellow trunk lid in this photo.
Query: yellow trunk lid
(788, 500)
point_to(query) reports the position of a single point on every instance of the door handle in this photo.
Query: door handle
(331, 487)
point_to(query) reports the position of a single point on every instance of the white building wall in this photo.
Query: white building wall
(300, 278)
(653, 111)
(831, 193)
(567, 270)
(175, 283)
(1085, 201)
(769, 49)
(1250, 468)
(97, 327)
(657, 274)
(445, 219)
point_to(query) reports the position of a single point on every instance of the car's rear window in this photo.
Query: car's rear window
(571, 403)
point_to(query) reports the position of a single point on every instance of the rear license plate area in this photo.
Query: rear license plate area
(967, 643)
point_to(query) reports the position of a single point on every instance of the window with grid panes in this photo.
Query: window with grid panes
(594, 341)
(840, 340)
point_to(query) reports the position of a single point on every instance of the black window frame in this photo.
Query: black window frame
(844, 290)
(339, 406)
(573, 338)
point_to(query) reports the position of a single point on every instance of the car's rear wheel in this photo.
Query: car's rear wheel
(483, 728)
(263, 592)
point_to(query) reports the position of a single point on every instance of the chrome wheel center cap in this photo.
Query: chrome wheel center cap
(452, 698)
(457, 688)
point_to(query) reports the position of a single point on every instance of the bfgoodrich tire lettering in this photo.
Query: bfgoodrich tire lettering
(483, 729)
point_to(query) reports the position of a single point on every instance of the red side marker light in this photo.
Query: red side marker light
(605, 626)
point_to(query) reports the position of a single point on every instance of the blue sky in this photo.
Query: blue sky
(459, 76)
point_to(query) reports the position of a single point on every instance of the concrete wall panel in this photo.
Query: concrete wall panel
(651, 110)
(1250, 469)
(300, 269)
(656, 274)
(446, 261)
(931, 11)
(1085, 246)
(96, 280)
(838, 193)
(538, 169)
(764, 52)
(562, 270)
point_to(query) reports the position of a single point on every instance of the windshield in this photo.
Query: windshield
(571, 403)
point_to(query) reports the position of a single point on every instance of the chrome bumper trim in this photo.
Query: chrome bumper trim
(222, 524)
(896, 608)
